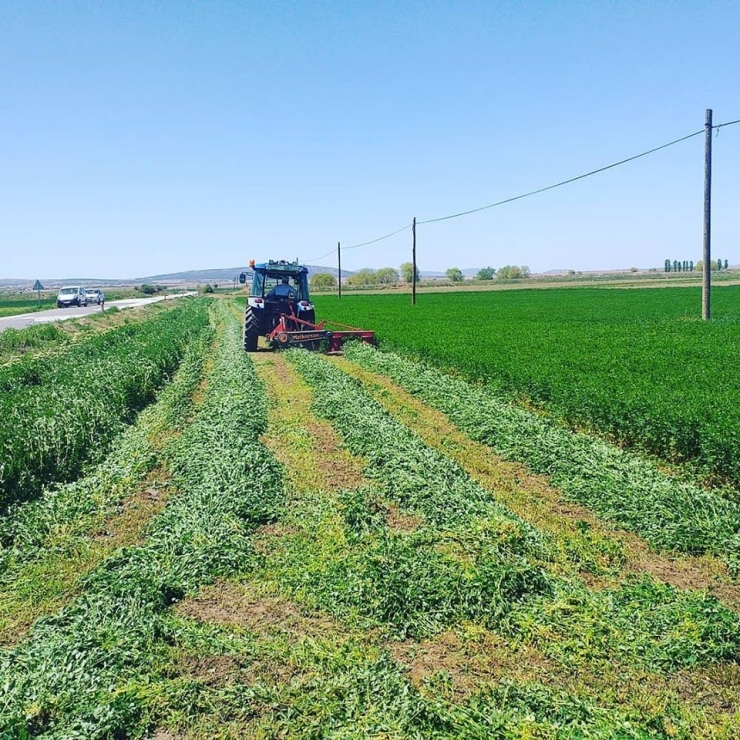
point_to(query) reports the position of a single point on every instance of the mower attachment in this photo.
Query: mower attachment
(294, 332)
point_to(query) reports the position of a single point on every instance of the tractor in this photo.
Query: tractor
(279, 308)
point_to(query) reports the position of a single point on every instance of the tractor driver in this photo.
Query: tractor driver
(284, 290)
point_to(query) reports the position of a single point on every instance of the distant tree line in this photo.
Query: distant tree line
(507, 272)
(390, 276)
(688, 265)
(363, 278)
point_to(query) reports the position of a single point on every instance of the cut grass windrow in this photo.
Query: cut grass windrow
(619, 485)
(411, 582)
(260, 657)
(85, 671)
(58, 416)
(47, 544)
(278, 666)
(473, 563)
(583, 544)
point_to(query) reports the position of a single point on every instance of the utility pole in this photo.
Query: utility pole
(339, 267)
(707, 279)
(413, 261)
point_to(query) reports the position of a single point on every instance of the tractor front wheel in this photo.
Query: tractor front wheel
(251, 330)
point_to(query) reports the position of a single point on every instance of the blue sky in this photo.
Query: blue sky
(147, 137)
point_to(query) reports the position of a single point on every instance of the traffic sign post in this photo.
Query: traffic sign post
(38, 288)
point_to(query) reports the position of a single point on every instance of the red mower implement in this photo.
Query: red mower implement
(294, 332)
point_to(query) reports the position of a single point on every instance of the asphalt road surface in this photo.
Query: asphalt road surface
(21, 321)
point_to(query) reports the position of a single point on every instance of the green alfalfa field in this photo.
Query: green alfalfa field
(517, 518)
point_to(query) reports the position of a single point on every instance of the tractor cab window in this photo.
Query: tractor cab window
(282, 291)
(272, 286)
(258, 285)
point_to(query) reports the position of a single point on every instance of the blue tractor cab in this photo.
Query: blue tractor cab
(279, 293)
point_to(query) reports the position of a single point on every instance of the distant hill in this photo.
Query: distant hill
(224, 274)
(213, 275)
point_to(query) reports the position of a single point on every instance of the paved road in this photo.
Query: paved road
(61, 314)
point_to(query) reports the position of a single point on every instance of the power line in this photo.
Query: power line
(315, 259)
(564, 182)
(363, 244)
(380, 238)
(729, 123)
(530, 193)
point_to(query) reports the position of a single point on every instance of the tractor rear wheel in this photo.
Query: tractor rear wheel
(251, 330)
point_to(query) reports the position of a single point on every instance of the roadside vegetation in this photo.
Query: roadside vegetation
(48, 336)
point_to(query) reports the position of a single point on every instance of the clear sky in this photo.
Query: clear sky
(147, 137)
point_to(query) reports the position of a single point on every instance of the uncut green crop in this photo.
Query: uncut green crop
(637, 365)
(12, 304)
(59, 413)
(619, 485)
(84, 672)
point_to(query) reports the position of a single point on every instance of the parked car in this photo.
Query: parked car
(74, 295)
(95, 295)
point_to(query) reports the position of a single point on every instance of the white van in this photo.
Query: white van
(71, 296)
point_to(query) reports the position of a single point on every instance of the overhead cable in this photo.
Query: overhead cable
(380, 238)
(563, 182)
(314, 259)
(363, 244)
(532, 192)
(729, 123)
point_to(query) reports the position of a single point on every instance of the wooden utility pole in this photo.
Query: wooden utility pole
(339, 267)
(413, 262)
(707, 279)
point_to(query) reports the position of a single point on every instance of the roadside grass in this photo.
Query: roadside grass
(44, 339)
(15, 342)
(12, 304)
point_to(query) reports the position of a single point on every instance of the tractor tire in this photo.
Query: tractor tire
(251, 330)
(309, 316)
